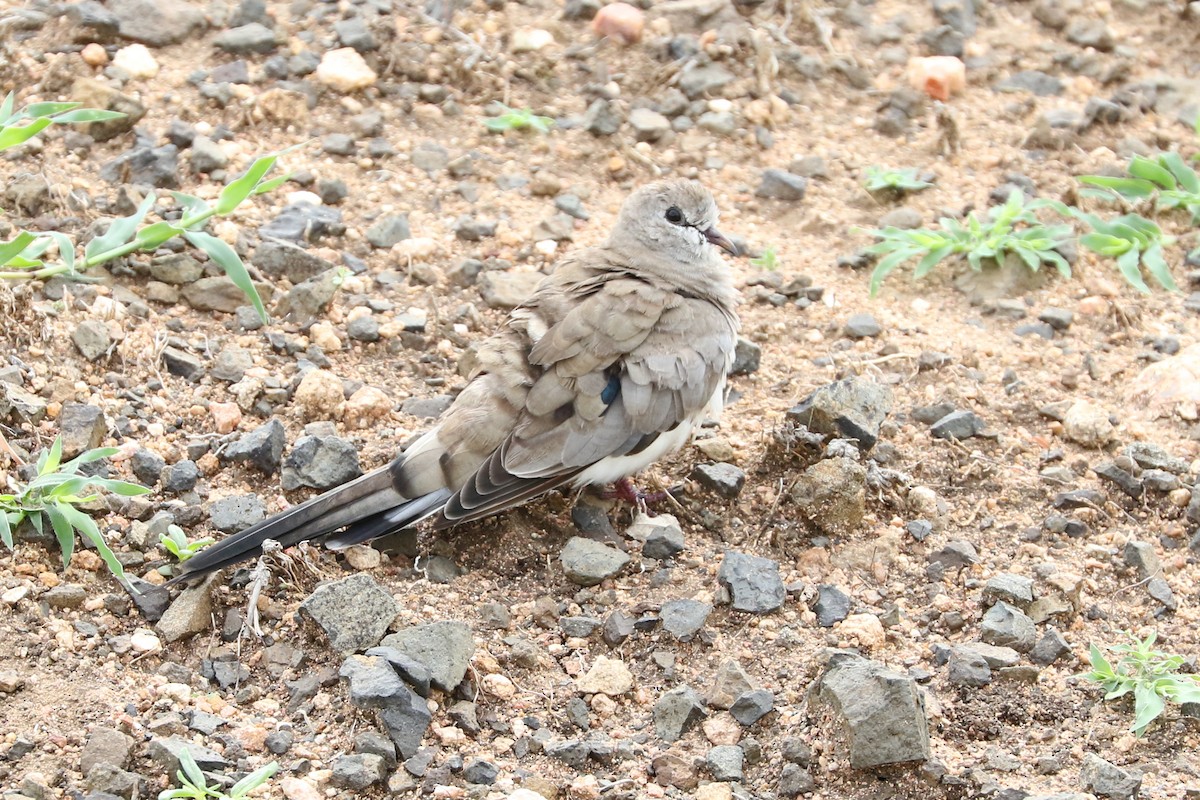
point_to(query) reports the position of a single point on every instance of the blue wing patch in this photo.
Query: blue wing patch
(611, 390)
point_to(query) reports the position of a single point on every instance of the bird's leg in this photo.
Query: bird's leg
(626, 490)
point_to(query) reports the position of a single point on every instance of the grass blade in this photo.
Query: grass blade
(88, 529)
(6, 534)
(1148, 170)
(62, 531)
(1132, 188)
(121, 230)
(6, 108)
(236, 192)
(1157, 267)
(1129, 265)
(87, 115)
(13, 248)
(13, 136)
(220, 252)
(1183, 173)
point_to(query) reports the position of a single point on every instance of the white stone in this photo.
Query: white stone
(528, 40)
(136, 60)
(344, 70)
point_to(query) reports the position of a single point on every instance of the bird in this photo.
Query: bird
(607, 367)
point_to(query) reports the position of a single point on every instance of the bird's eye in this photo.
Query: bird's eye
(674, 215)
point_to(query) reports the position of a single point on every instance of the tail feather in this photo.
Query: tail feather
(392, 519)
(367, 498)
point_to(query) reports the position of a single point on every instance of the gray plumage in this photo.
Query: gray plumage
(603, 370)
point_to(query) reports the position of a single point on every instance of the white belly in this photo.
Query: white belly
(613, 468)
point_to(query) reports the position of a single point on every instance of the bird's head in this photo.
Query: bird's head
(676, 219)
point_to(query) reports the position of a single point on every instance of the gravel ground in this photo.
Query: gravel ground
(885, 564)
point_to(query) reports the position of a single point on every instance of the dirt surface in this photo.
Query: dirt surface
(809, 80)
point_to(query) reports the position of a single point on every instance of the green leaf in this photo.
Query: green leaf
(1128, 264)
(254, 780)
(153, 235)
(88, 457)
(931, 260)
(13, 136)
(1183, 173)
(10, 249)
(48, 109)
(6, 108)
(62, 531)
(1059, 262)
(1144, 168)
(1157, 267)
(886, 265)
(53, 457)
(35, 519)
(237, 191)
(1104, 244)
(1148, 704)
(87, 115)
(1132, 188)
(190, 770)
(121, 230)
(190, 203)
(220, 252)
(88, 529)
(66, 249)
(122, 488)
(6, 535)
(272, 184)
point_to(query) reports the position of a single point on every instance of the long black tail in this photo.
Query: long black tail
(369, 505)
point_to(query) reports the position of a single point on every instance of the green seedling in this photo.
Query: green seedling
(899, 181)
(22, 257)
(52, 496)
(19, 126)
(1151, 675)
(518, 120)
(769, 259)
(175, 542)
(1165, 179)
(1011, 228)
(1135, 242)
(194, 786)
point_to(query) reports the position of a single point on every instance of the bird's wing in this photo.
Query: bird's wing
(627, 359)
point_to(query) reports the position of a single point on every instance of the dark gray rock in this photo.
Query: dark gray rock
(955, 555)
(165, 753)
(753, 582)
(794, 781)
(283, 259)
(676, 711)
(747, 357)
(602, 118)
(958, 14)
(1142, 558)
(231, 364)
(580, 627)
(729, 683)
(183, 364)
(247, 39)
(1015, 589)
(881, 711)
(81, 427)
(306, 302)
(279, 741)
(471, 229)
(373, 682)
(1160, 590)
(1090, 32)
(389, 230)
(701, 80)
(587, 563)
(724, 762)
(779, 184)
(353, 32)
(353, 612)
(406, 722)
(752, 706)
(180, 477)
(725, 479)
(618, 626)
(157, 23)
(1050, 648)
(232, 514)
(958, 425)
(1108, 780)
(683, 619)
(1033, 81)
(480, 772)
(91, 338)
(105, 746)
(363, 329)
(1006, 625)
(1120, 477)
(410, 670)
(357, 771)
(261, 447)
(304, 222)
(1059, 319)
(320, 462)
(664, 541)
(862, 326)
(109, 780)
(206, 156)
(968, 668)
(1151, 456)
(144, 166)
(445, 648)
(832, 606)
(66, 595)
(853, 408)
(376, 744)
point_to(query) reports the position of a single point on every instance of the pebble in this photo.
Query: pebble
(676, 711)
(684, 619)
(232, 514)
(1087, 424)
(1108, 780)
(753, 582)
(778, 184)
(92, 339)
(608, 676)
(881, 711)
(587, 563)
(725, 762)
(726, 480)
(353, 612)
(445, 648)
(358, 771)
(261, 447)
(958, 425)
(854, 408)
(144, 640)
(621, 22)
(648, 125)
(752, 706)
(1006, 625)
(344, 70)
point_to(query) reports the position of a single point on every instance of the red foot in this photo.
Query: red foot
(627, 491)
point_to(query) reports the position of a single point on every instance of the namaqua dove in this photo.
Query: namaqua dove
(606, 368)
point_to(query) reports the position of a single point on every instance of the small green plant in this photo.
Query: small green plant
(1151, 675)
(1166, 179)
(175, 542)
(769, 259)
(899, 181)
(194, 786)
(1135, 242)
(518, 120)
(18, 127)
(21, 258)
(1011, 228)
(53, 495)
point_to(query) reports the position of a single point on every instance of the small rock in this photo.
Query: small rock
(262, 447)
(676, 711)
(344, 70)
(683, 619)
(81, 427)
(753, 582)
(358, 771)
(388, 231)
(1050, 648)
(725, 762)
(587, 563)
(881, 711)
(1090, 32)
(730, 683)
(831, 495)
(648, 125)
(609, 676)
(232, 514)
(180, 477)
(854, 409)
(1087, 424)
(778, 184)
(862, 326)
(1016, 589)
(507, 289)
(445, 648)
(105, 746)
(747, 357)
(190, 613)
(92, 339)
(968, 668)
(726, 480)
(1005, 625)
(353, 612)
(832, 606)
(958, 425)
(752, 706)
(1109, 780)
